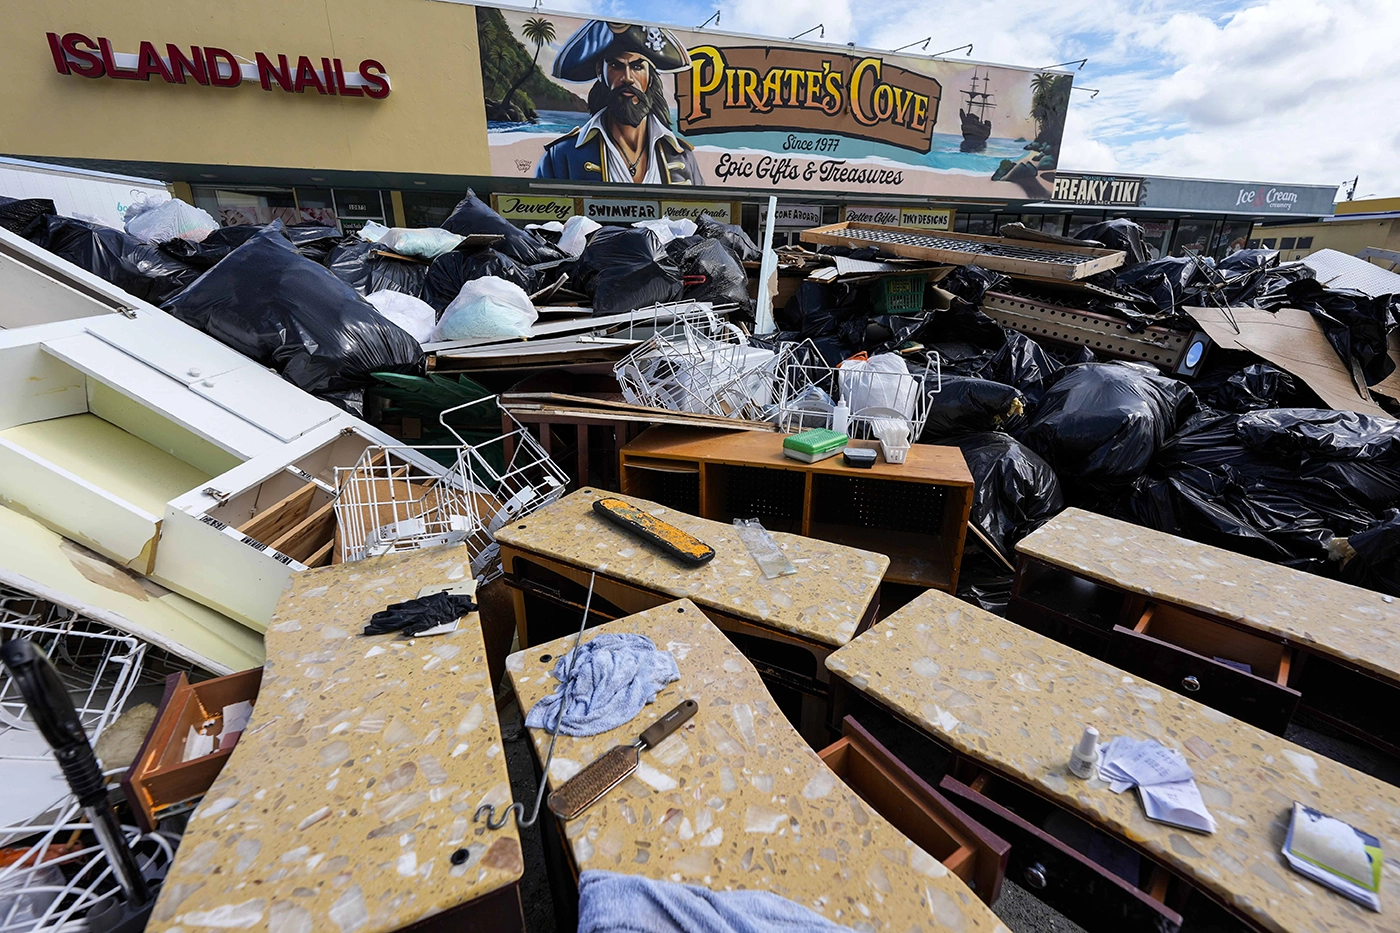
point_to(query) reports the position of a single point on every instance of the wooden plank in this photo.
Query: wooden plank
(1090, 261)
(322, 555)
(273, 521)
(562, 400)
(309, 535)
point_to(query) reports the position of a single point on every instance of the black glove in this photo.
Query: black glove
(417, 615)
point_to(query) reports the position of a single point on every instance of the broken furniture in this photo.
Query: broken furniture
(347, 803)
(915, 512)
(1107, 336)
(1003, 254)
(1248, 637)
(162, 776)
(1003, 707)
(736, 799)
(786, 626)
(157, 446)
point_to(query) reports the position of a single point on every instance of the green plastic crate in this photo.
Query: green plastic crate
(900, 294)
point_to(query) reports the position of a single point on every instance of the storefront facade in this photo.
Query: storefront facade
(389, 110)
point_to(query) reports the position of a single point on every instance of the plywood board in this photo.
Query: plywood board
(1293, 341)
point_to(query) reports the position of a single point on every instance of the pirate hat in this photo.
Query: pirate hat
(595, 40)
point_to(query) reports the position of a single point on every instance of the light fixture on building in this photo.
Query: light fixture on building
(420, 182)
(207, 175)
(921, 43)
(957, 48)
(1091, 96)
(317, 178)
(713, 19)
(1081, 62)
(819, 29)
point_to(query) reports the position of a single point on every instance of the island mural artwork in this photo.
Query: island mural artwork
(625, 103)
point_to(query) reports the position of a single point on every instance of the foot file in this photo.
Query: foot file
(668, 537)
(611, 768)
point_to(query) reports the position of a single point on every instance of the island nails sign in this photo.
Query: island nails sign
(749, 116)
(76, 54)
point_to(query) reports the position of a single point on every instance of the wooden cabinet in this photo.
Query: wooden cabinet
(915, 512)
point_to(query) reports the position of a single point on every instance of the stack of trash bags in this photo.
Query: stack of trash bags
(327, 310)
(1245, 458)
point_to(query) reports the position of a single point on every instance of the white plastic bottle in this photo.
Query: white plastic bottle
(840, 417)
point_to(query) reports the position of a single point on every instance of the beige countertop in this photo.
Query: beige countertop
(359, 773)
(736, 799)
(1347, 622)
(823, 602)
(1017, 701)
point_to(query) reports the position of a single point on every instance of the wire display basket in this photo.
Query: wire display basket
(391, 501)
(54, 872)
(876, 394)
(711, 370)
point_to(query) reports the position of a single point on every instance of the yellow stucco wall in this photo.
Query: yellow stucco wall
(433, 121)
(1345, 236)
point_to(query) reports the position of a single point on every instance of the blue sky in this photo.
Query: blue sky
(1302, 91)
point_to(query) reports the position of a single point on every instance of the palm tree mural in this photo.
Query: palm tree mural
(539, 31)
(1049, 105)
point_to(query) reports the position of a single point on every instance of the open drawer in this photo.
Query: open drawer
(158, 778)
(1223, 667)
(964, 846)
(1086, 892)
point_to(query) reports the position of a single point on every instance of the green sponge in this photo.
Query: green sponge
(816, 444)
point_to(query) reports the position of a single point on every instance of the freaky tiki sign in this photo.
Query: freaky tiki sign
(628, 103)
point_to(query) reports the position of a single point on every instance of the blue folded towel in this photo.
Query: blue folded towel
(614, 676)
(613, 903)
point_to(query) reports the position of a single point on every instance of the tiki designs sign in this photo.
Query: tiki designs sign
(625, 103)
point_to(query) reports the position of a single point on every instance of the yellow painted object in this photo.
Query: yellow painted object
(678, 543)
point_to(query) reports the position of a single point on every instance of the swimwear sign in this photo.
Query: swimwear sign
(806, 91)
(76, 54)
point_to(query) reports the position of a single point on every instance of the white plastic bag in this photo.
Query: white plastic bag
(575, 235)
(412, 314)
(172, 220)
(667, 230)
(487, 307)
(420, 242)
(882, 382)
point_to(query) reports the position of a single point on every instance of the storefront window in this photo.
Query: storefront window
(1156, 235)
(232, 207)
(1077, 222)
(983, 224)
(1032, 221)
(1193, 236)
(1233, 237)
(428, 208)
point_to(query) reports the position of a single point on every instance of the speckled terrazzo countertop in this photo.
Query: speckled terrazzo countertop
(1347, 622)
(1013, 699)
(735, 798)
(823, 602)
(358, 774)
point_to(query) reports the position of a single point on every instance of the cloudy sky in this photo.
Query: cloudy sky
(1302, 91)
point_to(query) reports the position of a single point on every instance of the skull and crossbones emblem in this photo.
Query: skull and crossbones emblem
(655, 41)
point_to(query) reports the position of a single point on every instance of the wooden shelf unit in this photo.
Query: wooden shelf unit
(915, 512)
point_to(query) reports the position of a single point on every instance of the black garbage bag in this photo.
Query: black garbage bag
(969, 404)
(1276, 484)
(1119, 234)
(1023, 363)
(27, 217)
(1247, 260)
(218, 244)
(971, 283)
(288, 313)
(314, 241)
(1165, 282)
(817, 309)
(356, 263)
(473, 215)
(626, 268)
(722, 279)
(1355, 323)
(732, 236)
(1015, 491)
(450, 271)
(1373, 560)
(1102, 423)
(130, 264)
(1252, 388)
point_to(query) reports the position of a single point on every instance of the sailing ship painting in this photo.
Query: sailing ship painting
(975, 125)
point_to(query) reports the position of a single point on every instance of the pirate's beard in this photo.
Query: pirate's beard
(630, 111)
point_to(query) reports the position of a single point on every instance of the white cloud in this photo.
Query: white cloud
(1276, 90)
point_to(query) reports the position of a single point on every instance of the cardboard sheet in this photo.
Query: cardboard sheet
(1293, 341)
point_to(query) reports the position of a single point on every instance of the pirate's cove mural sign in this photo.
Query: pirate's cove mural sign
(628, 103)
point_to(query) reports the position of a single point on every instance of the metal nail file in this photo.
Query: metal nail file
(613, 767)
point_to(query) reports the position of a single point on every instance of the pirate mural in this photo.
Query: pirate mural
(629, 137)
